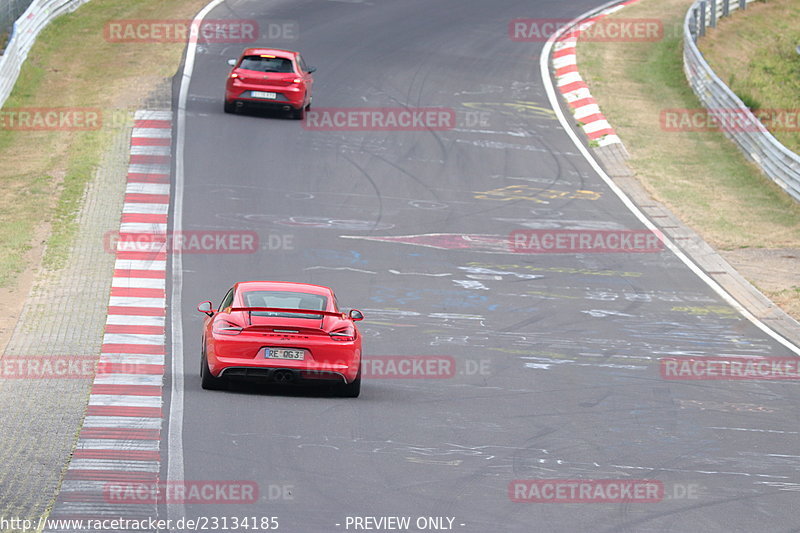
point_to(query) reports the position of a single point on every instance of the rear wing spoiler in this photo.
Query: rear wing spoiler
(285, 310)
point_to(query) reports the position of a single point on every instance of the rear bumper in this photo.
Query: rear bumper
(260, 104)
(285, 96)
(325, 359)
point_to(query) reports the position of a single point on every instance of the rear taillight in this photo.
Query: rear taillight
(234, 76)
(344, 334)
(297, 80)
(223, 327)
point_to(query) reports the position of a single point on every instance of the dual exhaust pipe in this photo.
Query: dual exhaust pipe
(283, 376)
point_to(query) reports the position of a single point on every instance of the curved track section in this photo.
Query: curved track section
(556, 372)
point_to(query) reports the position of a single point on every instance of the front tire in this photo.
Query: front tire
(207, 379)
(352, 389)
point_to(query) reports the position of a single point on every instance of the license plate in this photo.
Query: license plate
(261, 94)
(282, 353)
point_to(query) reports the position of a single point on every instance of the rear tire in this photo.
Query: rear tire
(207, 379)
(352, 389)
(299, 114)
(230, 107)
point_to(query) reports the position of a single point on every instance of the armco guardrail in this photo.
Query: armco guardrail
(10, 11)
(26, 29)
(778, 162)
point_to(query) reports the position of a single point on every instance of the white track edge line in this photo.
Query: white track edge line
(544, 65)
(175, 424)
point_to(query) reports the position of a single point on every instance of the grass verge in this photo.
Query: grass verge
(701, 176)
(753, 51)
(72, 65)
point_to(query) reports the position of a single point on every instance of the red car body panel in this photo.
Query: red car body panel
(230, 352)
(292, 89)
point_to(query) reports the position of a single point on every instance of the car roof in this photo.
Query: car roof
(286, 54)
(246, 286)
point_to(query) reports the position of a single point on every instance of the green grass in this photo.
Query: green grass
(18, 226)
(754, 51)
(83, 163)
(28, 198)
(701, 176)
(84, 149)
(45, 173)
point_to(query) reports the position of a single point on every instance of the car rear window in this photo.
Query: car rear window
(266, 64)
(286, 300)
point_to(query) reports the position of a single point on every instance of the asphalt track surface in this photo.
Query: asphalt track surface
(556, 354)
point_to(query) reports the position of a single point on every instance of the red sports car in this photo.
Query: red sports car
(282, 332)
(269, 78)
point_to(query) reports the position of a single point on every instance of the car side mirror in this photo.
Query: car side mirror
(312, 69)
(356, 315)
(232, 62)
(205, 307)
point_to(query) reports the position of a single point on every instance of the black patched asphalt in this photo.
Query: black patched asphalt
(556, 355)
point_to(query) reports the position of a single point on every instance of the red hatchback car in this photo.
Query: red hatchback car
(281, 332)
(269, 78)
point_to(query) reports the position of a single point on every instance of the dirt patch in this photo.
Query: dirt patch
(775, 272)
(15, 296)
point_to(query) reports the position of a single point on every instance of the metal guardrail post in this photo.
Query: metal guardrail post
(726, 7)
(703, 18)
(693, 24)
(742, 4)
(713, 14)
